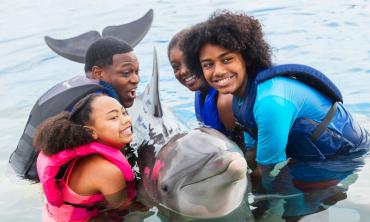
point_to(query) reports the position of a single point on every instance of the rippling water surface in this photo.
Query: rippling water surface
(332, 36)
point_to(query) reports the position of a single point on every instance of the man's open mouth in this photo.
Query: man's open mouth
(132, 93)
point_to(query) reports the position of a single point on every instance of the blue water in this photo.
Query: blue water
(332, 36)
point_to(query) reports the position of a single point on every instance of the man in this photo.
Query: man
(114, 64)
(110, 61)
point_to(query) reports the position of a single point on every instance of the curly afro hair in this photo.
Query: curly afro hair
(233, 31)
(66, 130)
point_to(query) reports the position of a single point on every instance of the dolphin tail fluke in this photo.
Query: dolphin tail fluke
(132, 32)
(75, 48)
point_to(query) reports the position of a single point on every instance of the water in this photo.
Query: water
(332, 36)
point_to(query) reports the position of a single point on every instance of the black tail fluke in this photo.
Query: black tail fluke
(75, 48)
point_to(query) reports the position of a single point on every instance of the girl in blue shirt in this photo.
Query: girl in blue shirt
(284, 116)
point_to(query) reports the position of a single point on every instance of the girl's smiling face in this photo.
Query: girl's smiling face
(182, 73)
(109, 122)
(224, 70)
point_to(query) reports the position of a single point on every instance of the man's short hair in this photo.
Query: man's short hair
(101, 52)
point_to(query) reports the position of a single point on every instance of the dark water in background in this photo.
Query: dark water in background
(332, 36)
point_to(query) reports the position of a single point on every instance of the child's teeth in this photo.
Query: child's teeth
(189, 78)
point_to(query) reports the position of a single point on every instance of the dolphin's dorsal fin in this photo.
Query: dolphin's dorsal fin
(155, 87)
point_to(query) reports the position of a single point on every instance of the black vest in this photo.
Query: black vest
(57, 99)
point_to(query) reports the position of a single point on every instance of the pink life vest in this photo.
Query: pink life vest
(49, 166)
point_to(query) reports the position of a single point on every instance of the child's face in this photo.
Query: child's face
(223, 69)
(182, 74)
(110, 122)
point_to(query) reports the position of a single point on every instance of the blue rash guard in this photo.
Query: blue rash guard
(281, 110)
(206, 109)
(279, 102)
(280, 105)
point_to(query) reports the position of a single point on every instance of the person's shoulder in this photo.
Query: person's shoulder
(102, 168)
(224, 107)
(279, 86)
(224, 100)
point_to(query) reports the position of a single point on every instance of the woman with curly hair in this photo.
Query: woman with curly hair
(211, 108)
(287, 111)
(80, 165)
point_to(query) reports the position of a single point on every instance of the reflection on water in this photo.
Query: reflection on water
(319, 185)
(331, 36)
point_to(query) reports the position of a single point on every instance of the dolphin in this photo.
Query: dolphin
(197, 173)
(200, 174)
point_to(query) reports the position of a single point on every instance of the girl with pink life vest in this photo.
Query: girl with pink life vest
(81, 167)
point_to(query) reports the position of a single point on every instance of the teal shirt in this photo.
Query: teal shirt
(279, 102)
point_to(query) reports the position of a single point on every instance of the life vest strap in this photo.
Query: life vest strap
(323, 125)
(87, 207)
(315, 134)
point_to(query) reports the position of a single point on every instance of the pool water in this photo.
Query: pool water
(332, 36)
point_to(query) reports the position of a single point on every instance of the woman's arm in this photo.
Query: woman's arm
(274, 117)
(225, 111)
(109, 181)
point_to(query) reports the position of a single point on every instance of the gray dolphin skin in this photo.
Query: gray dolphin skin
(151, 122)
(196, 173)
(200, 174)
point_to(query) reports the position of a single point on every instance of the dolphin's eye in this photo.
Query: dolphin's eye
(164, 187)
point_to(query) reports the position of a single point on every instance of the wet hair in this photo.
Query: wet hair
(234, 31)
(175, 41)
(66, 130)
(101, 52)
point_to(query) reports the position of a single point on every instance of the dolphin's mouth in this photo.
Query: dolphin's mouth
(222, 171)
